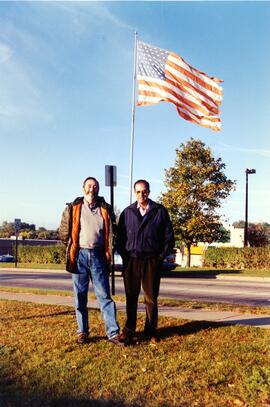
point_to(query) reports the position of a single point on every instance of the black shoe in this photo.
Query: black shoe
(82, 338)
(116, 340)
(128, 338)
(154, 339)
(151, 337)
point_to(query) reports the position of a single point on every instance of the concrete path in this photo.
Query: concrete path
(226, 317)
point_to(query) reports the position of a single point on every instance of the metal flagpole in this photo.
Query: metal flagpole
(133, 120)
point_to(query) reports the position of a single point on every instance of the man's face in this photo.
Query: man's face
(141, 193)
(91, 189)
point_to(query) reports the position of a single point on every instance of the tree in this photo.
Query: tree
(7, 229)
(45, 234)
(225, 235)
(196, 186)
(28, 226)
(27, 231)
(258, 235)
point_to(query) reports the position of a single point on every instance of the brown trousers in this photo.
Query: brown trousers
(145, 272)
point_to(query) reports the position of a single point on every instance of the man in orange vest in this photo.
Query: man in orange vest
(87, 228)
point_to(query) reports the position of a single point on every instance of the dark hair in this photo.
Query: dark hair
(93, 179)
(142, 181)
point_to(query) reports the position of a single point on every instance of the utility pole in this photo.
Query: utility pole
(110, 181)
(248, 171)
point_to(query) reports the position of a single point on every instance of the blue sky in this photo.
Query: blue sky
(66, 95)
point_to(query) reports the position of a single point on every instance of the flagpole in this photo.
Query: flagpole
(132, 120)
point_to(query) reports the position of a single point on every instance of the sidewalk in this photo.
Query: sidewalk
(226, 317)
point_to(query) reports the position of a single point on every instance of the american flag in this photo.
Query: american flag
(165, 76)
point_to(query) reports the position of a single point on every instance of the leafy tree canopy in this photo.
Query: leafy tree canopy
(27, 231)
(258, 235)
(196, 187)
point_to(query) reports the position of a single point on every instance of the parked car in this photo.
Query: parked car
(168, 263)
(118, 264)
(7, 258)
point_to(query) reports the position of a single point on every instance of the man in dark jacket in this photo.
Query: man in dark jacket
(87, 229)
(144, 238)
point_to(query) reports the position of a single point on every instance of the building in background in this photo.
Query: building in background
(197, 252)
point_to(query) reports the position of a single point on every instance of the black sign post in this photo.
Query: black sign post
(110, 181)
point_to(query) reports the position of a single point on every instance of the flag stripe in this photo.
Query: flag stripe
(167, 90)
(198, 76)
(178, 75)
(204, 123)
(165, 76)
(156, 97)
(181, 90)
(151, 99)
(190, 90)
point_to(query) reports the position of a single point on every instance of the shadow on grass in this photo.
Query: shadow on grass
(198, 273)
(12, 394)
(256, 321)
(54, 314)
(17, 398)
(188, 328)
(91, 403)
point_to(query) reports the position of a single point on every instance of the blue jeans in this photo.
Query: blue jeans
(92, 265)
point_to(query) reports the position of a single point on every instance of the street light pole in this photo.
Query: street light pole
(248, 171)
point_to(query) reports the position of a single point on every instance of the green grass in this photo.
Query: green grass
(34, 266)
(214, 271)
(162, 301)
(195, 364)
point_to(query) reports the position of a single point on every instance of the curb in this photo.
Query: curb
(244, 278)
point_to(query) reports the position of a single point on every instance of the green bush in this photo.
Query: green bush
(42, 254)
(257, 258)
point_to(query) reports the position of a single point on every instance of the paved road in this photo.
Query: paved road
(230, 290)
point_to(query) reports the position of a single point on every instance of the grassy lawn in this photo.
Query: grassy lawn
(162, 301)
(195, 364)
(34, 266)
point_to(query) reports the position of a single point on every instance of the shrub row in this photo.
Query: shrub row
(42, 254)
(220, 257)
(240, 258)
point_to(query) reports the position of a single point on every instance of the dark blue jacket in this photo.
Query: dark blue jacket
(145, 236)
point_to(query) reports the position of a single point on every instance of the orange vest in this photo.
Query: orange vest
(75, 232)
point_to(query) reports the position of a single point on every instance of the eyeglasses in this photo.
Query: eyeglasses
(145, 192)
